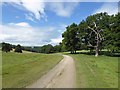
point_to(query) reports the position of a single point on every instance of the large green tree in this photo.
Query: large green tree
(47, 49)
(98, 31)
(18, 48)
(112, 34)
(82, 34)
(6, 47)
(94, 27)
(70, 38)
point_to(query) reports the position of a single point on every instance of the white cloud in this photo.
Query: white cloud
(12, 33)
(110, 8)
(29, 17)
(1, 38)
(21, 24)
(36, 8)
(17, 34)
(56, 40)
(62, 8)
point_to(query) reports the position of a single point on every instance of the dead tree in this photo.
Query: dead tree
(98, 38)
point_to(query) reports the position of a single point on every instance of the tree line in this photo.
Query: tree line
(96, 32)
(6, 47)
(45, 48)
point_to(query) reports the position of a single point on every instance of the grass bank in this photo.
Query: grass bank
(20, 70)
(96, 72)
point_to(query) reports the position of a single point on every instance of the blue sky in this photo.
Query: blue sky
(31, 23)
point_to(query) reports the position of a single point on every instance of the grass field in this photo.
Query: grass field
(20, 70)
(0, 69)
(96, 72)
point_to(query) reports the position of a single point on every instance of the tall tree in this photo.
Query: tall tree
(70, 38)
(96, 24)
(112, 34)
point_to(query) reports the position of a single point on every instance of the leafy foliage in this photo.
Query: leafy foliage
(6, 47)
(98, 31)
(18, 49)
(70, 38)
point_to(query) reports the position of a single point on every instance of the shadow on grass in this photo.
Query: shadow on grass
(106, 53)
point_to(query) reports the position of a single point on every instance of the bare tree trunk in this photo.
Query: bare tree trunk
(97, 47)
(98, 37)
(96, 51)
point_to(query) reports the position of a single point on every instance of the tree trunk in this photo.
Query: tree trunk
(96, 51)
(97, 47)
(75, 51)
(72, 52)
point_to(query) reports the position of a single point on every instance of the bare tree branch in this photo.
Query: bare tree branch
(92, 29)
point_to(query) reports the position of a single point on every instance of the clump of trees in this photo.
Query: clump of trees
(47, 49)
(96, 32)
(6, 47)
(18, 49)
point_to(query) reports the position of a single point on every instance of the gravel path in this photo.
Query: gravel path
(61, 76)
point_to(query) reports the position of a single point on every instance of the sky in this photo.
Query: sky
(39, 23)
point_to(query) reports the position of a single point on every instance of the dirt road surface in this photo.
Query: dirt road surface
(61, 76)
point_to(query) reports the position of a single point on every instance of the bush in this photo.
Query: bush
(18, 49)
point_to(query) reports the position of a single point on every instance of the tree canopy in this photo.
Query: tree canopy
(6, 47)
(70, 38)
(18, 49)
(98, 31)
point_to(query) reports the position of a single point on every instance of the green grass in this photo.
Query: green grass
(96, 72)
(20, 70)
(0, 69)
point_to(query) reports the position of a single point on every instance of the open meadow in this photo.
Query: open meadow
(22, 69)
(96, 72)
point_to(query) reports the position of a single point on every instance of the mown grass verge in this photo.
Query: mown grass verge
(22, 69)
(96, 72)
